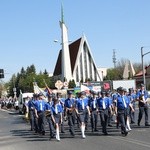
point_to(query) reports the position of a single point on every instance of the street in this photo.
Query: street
(15, 134)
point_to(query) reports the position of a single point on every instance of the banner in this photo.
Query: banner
(38, 90)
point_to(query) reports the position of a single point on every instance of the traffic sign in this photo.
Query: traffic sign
(59, 84)
(65, 84)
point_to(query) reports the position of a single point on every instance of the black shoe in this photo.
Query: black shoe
(138, 124)
(52, 136)
(109, 125)
(96, 130)
(43, 132)
(62, 131)
(36, 131)
(147, 125)
(124, 133)
(106, 133)
(72, 134)
(132, 122)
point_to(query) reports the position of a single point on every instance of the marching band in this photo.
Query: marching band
(88, 108)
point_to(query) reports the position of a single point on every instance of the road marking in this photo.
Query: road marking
(142, 130)
(9, 111)
(5, 110)
(137, 142)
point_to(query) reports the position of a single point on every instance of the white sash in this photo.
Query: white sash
(125, 105)
(104, 106)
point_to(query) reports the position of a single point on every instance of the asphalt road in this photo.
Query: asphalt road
(15, 134)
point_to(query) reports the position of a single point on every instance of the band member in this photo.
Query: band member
(103, 106)
(121, 110)
(61, 102)
(110, 109)
(94, 111)
(48, 114)
(142, 96)
(40, 113)
(70, 112)
(31, 112)
(129, 106)
(114, 96)
(81, 106)
(133, 98)
(57, 116)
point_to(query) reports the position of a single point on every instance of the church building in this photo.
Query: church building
(75, 60)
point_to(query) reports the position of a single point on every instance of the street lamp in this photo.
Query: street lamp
(143, 68)
(14, 88)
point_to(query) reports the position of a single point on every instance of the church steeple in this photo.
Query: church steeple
(62, 14)
(66, 73)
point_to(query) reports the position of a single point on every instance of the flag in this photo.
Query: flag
(85, 88)
(47, 89)
(38, 90)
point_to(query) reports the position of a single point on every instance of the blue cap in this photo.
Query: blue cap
(50, 95)
(83, 93)
(69, 92)
(35, 95)
(103, 92)
(130, 89)
(40, 94)
(120, 89)
(124, 89)
(94, 93)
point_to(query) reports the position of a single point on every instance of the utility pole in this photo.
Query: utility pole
(114, 58)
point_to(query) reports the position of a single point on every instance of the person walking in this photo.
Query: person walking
(121, 110)
(81, 108)
(142, 96)
(70, 112)
(48, 114)
(94, 111)
(40, 113)
(103, 106)
(57, 116)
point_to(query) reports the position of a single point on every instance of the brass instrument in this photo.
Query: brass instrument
(70, 110)
(47, 113)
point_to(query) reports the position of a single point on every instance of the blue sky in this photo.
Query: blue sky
(28, 29)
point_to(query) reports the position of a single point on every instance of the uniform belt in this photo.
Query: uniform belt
(57, 113)
(121, 108)
(40, 111)
(103, 109)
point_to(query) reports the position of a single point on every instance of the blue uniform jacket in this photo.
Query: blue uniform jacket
(140, 92)
(40, 105)
(120, 103)
(91, 103)
(100, 102)
(69, 102)
(59, 108)
(79, 103)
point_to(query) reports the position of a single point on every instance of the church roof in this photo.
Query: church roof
(73, 50)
